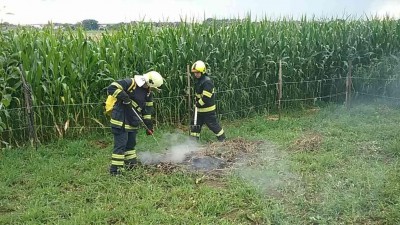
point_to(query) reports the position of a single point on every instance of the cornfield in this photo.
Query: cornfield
(69, 69)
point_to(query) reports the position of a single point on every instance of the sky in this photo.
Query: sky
(116, 11)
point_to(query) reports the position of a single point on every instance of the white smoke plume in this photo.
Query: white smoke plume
(178, 147)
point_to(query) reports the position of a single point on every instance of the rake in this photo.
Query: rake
(145, 126)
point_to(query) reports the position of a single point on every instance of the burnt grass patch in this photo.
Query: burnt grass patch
(213, 158)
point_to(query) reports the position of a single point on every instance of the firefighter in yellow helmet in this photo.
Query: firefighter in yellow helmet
(205, 103)
(131, 94)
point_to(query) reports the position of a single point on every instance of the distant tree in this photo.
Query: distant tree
(69, 26)
(90, 24)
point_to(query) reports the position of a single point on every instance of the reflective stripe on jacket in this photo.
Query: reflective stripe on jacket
(205, 96)
(141, 99)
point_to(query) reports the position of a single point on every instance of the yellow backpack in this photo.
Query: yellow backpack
(111, 100)
(109, 104)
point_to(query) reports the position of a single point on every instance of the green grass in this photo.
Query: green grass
(351, 175)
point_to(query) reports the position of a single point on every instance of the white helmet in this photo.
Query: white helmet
(153, 79)
(199, 66)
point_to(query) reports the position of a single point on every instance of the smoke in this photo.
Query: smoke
(269, 171)
(178, 147)
(381, 83)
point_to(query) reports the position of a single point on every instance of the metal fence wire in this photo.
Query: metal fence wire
(41, 123)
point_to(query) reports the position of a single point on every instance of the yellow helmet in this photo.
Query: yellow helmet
(199, 66)
(153, 79)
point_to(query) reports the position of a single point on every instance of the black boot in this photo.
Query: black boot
(131, 164)
(116, 170)
(221, 138)
(193, 138)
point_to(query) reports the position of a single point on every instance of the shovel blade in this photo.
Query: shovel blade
(194, 127)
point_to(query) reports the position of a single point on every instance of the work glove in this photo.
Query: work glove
(149, 125)
(149, 132)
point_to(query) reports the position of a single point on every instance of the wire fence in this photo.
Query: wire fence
(377, 96)
(366, 88)
(57, 121)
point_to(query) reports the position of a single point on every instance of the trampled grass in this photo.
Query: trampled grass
(322, 166)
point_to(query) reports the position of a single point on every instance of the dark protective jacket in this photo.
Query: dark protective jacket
(138, 98)
(205, 94)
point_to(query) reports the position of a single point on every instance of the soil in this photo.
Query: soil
(217, 156)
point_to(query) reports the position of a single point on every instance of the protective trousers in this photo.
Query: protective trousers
(124, 153)
(210, 119)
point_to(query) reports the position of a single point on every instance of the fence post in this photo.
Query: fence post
(280, 88)
(26, 88)
(348, 85)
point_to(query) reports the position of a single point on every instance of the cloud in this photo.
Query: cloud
(384, 8)
(106, 11)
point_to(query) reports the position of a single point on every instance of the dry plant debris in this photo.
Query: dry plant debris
(215, 157)
(309, 142)
(230, 150)
(100, 144)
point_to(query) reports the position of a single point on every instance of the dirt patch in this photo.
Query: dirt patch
(215, 157)
(209, 163)
(309, 142)
(260, 163)
(220, 156)
(101, 144)
(228, 151)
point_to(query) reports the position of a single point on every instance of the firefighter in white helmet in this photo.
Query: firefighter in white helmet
(131, 94)
(205, 103)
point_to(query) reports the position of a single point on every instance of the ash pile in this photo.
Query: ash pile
(213, 157)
